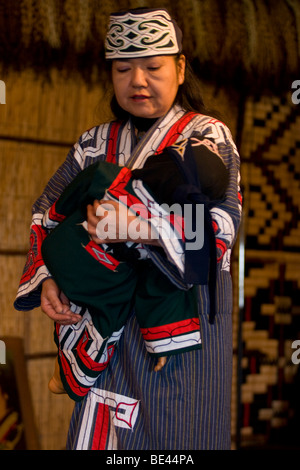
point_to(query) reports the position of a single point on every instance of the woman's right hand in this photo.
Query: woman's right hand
(56, 305)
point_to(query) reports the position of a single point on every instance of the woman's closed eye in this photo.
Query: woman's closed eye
(123, 69)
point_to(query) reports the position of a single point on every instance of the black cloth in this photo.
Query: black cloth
(198, 176)
(165, 172)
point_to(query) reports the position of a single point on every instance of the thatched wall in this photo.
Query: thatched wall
(242, 41)
(247, 53)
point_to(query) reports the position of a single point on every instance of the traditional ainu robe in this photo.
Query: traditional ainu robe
(187, 405)
(97, 278)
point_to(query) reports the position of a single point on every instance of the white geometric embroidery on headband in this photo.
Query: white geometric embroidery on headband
(142, 34)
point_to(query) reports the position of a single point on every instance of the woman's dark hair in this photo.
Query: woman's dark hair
(188, 96)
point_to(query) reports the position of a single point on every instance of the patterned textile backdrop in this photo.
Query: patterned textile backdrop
(270, 386)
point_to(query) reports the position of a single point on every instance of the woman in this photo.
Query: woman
(186, 405)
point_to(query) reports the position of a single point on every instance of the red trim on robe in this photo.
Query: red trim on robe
(172, 329)
(101, 427)
(112, 142)
(176, 130)
(97, 252)
(34, 258)
(54, 215)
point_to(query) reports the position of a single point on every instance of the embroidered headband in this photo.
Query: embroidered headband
(142, 33)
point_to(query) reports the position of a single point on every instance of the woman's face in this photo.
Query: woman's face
(146, 87)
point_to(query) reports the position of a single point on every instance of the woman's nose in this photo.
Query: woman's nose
(138, 77)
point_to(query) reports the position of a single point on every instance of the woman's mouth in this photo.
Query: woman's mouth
(140, 98)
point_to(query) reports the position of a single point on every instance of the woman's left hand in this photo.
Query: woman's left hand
(111, 222)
